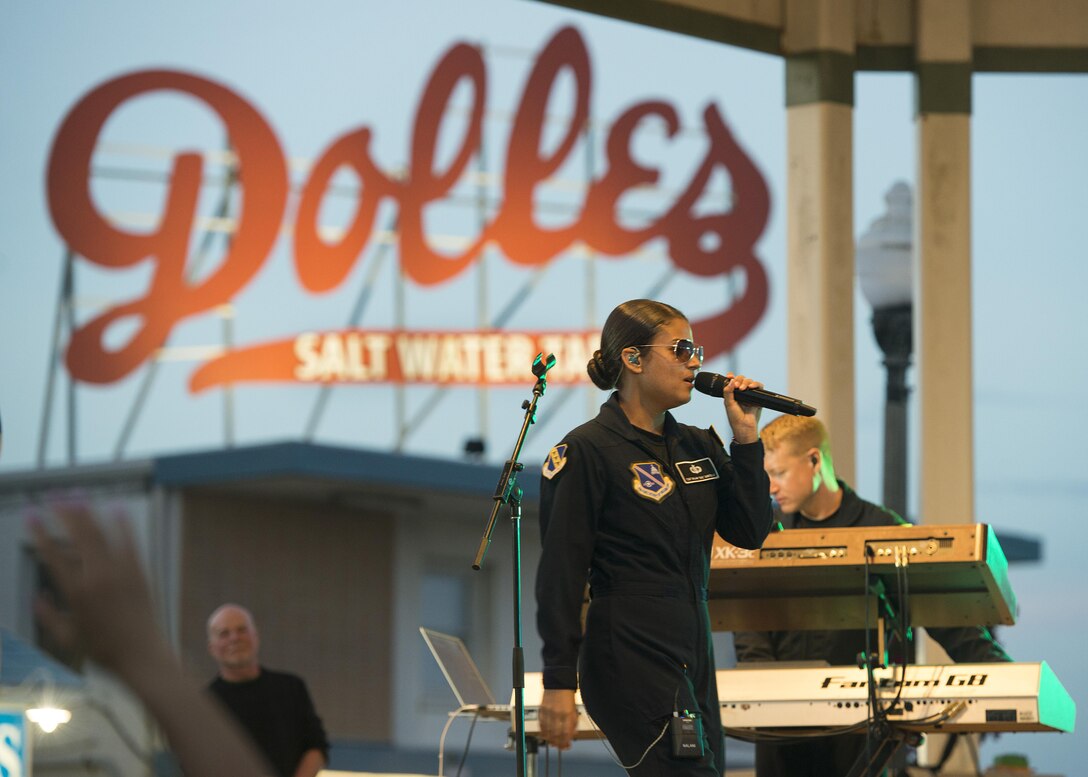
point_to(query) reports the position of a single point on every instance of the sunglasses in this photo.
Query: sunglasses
(683, 350)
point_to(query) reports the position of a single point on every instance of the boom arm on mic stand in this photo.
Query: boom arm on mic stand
(509, 492)
(712, 384)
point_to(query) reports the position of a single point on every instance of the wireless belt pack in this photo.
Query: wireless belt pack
(687, 735)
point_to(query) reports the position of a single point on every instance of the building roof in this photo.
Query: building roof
(21, 662)
(294, 470)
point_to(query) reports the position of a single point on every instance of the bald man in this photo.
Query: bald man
(273, 707)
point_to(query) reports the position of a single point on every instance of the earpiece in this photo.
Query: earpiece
(815, 461)
(632, 358)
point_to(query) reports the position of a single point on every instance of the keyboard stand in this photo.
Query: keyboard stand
(887, 741)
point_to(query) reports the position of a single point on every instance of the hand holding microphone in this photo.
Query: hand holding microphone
(714, 385)
(743, 419)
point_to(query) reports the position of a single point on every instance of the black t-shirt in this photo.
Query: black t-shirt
(276, 711)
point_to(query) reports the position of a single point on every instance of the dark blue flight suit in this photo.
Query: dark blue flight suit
(637, 512)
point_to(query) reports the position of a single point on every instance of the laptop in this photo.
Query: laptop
(462, 674)
(472, 691)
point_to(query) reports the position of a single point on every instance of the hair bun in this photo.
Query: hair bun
(603, 374)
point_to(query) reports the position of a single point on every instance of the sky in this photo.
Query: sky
(318, 71)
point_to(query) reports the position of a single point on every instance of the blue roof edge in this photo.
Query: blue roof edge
(331, 463)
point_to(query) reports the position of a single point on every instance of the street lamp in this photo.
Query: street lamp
(34, 682)
(48, 717)
(884, 271)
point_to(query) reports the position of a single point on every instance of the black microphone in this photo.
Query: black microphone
(713, 384)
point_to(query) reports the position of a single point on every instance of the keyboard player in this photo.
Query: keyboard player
(808, 495)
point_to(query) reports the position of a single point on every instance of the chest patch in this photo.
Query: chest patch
(650, 482)
(557, 459)
(697, 471)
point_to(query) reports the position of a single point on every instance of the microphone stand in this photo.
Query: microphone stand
(882, 739)
(508, 492)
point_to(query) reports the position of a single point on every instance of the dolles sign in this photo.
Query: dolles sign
(700, 241)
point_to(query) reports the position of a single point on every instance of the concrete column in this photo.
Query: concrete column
(942, 321)
(819, 40)
(942, 292)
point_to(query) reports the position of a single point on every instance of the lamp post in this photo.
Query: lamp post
(884, 271)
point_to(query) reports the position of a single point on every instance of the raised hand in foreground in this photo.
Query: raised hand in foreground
(109, 616)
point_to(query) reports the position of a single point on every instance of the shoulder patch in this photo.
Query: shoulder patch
(650, 481)
(556, 460)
